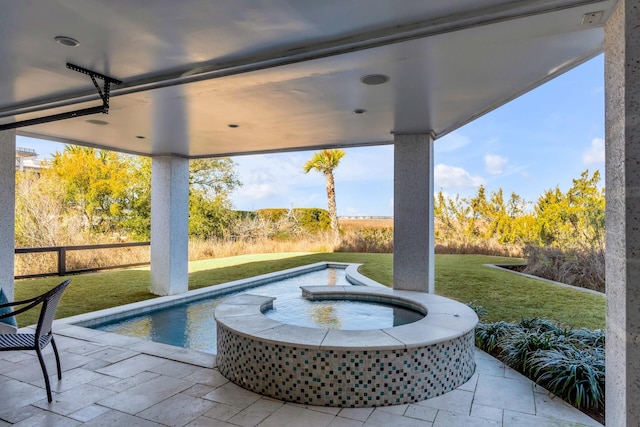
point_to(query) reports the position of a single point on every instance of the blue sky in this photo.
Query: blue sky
(543, 139)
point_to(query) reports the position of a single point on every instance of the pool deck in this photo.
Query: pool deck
(113, 380)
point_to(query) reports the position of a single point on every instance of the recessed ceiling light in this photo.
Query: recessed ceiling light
(233, 125)
(67, 41)
(592, 18)
(140, 136)
(97, 122)
(359, 111)
(375, 79)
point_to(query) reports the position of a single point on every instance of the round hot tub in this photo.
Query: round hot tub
(348, 368)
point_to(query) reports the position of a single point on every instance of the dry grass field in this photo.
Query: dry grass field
(374, 235)
(356, 224)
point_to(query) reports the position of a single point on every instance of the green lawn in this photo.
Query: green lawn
(505, 295)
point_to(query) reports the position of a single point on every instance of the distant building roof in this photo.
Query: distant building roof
(26, 152)
(26, 159)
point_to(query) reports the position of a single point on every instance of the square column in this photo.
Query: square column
(622, 178)
(7, 209)
(169, 225)
(413, 241)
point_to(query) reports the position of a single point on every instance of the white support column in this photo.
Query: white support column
(413, 244)
(169, 225)
(622, 117)
(7, 209)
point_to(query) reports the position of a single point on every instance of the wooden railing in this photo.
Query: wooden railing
(62, 258)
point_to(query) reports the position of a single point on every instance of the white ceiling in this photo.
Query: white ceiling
(286, 72)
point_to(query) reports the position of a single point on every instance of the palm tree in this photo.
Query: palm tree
(325, 162)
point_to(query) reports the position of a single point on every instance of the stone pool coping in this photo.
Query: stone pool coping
(444, 320)
(146, 306)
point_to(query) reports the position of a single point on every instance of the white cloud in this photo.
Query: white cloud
(595, 153)
(494, 163)
(257, 191)
(450, 177)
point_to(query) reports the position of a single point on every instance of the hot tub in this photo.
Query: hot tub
(348, 368)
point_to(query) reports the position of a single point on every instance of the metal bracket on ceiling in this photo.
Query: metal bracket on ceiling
(104, 95)
(106, 86)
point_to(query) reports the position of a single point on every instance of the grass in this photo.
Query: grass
(505, 295)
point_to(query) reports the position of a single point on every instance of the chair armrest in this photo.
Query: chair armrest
(22, 302)
(31, 303)
(9, 314)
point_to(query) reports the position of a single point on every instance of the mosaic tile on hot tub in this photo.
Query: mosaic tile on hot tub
(349, 368)
(350, 378)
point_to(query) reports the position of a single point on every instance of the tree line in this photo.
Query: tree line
(573, 219)
(561, 234)
(87, 195)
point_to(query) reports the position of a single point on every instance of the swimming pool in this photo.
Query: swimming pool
(321, 366)
(192, 325)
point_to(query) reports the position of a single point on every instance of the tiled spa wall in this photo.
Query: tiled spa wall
(342, 377)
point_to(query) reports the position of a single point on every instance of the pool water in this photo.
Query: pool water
(192, 325)
(345, 315)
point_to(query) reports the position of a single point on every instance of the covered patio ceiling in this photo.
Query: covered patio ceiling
(285, 74)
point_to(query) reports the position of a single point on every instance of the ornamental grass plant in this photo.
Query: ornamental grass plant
(570, 363)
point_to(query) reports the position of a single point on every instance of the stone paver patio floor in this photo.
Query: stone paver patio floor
(113, 380)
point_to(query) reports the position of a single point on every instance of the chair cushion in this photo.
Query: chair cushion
(11, 320)
(22, 341)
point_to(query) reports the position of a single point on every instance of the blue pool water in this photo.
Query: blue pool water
(192, 325)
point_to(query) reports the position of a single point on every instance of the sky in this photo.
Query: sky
(543, 139)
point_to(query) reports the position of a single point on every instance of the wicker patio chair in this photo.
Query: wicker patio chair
(43, 334)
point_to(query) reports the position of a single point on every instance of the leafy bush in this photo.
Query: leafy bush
(273, 215)
(310, 220)
(568, 362)
(489, 336)
(520, 346)
(586, 338)
(535, 324)
(576, 375)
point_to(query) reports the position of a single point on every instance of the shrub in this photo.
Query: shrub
(568, 362)
(520, 346)
(489, 336)
(586, 338)
(575, 375)
(583, 267)
(312, 220)
(539, 325)
(308, 220)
